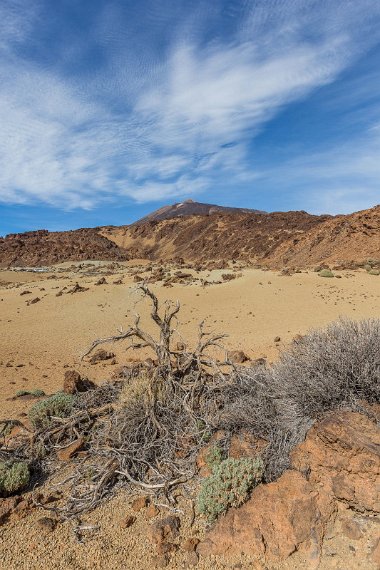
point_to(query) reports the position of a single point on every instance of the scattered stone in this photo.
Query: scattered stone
(68, 452)
(152, 511)
(298, 338)
(73, 383)
(46, 524)
(277, 339)
(7, 507)
(23, 507)
(190, 544)
(25, 293)
(101, 355)
(101, 281)
(140, 503)
(237, 356)
(165, 529)
(128, 521)
(33, 301)
(77, 289)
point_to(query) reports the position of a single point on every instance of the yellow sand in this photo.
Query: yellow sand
(48, 337)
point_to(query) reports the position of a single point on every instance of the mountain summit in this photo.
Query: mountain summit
(191, 208)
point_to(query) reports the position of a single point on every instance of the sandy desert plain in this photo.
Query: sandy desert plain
(261, 311)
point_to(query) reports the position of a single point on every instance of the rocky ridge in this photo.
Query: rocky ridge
(277, 240)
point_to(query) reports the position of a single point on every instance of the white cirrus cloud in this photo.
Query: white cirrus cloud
(168, 128)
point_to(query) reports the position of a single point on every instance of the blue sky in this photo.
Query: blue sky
(112, 108)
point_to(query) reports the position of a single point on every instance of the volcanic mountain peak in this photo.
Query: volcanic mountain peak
(191, 208)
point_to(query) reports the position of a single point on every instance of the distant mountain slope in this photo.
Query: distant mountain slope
(191, 208)
(340, 238)
(244, 236)
(275, 240)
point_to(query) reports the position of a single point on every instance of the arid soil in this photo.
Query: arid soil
(262, 311)
(40, 340)
(293, 240)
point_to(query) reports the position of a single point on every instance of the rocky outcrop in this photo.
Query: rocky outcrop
(73, 383)
(47, 248)
(339, 462)
(341, 455)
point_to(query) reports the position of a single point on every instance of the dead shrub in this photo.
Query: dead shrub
(337, 367)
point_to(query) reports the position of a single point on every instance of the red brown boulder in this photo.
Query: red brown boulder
(342, 454)
(337, 464)
(73, 383)
(279, 519)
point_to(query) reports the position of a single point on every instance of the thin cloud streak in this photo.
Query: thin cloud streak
(171, 128)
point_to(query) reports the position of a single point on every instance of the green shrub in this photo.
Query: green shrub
(13, 476)
(37, 393)
(374, 272)
(326, 273)
(229, 486)
(58, 405)
(20, 393)
(214, 456)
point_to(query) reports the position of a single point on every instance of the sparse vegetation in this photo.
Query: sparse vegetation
(214, 456)
(229, 485)
(146, 428)
(324, 370)
(37, 393)
(326, 273)
(14, 476)
(42, 413)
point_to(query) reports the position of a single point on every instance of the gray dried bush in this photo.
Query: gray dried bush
(338, 367)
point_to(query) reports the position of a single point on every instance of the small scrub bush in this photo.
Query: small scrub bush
(230, 485)
(13, 477)
(326, 273)
(374, 272)
(59, 405)
(20, 393)
(214, 456)
(37, 393)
